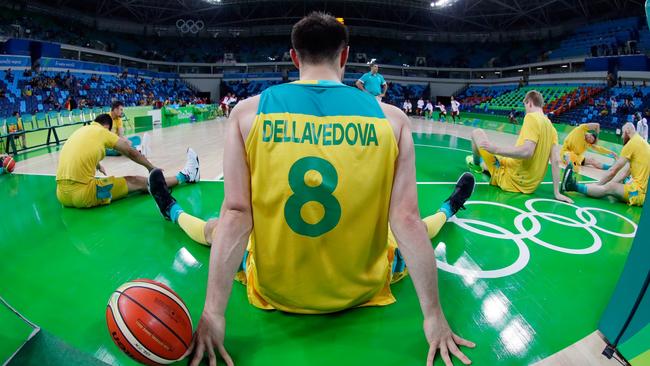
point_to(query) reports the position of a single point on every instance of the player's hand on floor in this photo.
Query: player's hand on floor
(209, 335)
(563, 198)
(440, 337)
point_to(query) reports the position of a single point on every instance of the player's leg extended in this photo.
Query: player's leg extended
(462, 192)
(613, 188)
(198, 230)
(479, 157)
(596, 164)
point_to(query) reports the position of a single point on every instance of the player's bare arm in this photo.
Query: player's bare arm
(229, 241)
(555, 170)
(414, 243)
(524, 151)
(124, 147)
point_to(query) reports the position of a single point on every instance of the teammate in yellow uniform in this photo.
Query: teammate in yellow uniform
(636, 153)
(117, 109)
(576, 144)
(321, 169)
(76, 184)
(521, 168)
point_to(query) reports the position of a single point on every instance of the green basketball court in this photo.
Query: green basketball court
(523, 276)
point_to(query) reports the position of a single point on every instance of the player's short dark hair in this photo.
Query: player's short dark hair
(105, 120)
(319, 37)
(116, 104)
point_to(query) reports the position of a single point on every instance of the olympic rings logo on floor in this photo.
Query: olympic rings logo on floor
(587, 221)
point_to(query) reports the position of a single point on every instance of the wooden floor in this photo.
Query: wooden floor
(168, 148)
(207, 139)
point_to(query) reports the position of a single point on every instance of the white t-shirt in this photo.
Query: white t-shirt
(420, 103)
(454, 105)
(429, 107)
(442, 108)
(407, 105)
(642, 128)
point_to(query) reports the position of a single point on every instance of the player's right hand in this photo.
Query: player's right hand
(563, 198)
(209, 335)
(440, 337)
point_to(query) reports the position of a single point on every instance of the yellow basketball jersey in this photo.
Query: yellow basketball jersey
(321, 156)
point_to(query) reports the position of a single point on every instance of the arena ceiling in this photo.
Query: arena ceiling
(441, 15)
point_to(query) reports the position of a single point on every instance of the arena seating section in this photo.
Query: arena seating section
(264, 49)
(612, 34)
(130, 90)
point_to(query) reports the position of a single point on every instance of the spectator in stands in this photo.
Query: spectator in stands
(19, 127)
(420, 107)
(642, 126)
(627, 106)
(614, 105)
(3, 93)
(27, 91)
(611, 80)
(27, 73)
(9, 76)
(512, 116)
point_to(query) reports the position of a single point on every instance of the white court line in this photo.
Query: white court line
(442, 147)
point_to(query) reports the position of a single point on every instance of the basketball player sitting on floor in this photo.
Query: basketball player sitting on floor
(76, 185)
(521, 168)
(615, 183)
(576, 144)
(325, 194)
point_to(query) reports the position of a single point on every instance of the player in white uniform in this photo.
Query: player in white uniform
(407, 107)
(420, 106)
(443, 111)
(428, 110)
(455, 109)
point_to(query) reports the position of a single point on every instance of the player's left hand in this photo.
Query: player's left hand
(563, 198)
(102, 170)
(440, 337)
(210, 334)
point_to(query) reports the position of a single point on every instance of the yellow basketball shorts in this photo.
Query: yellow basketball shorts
(99, 191)
(576, 160)
(499, 175)
(633, 194)
(398, 266)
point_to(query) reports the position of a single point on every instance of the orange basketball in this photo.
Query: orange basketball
(149, 322)
(8, 163)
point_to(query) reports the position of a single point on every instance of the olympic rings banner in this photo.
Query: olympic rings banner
(190, 26)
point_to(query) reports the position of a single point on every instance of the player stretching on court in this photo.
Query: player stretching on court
(442, 113)
(455, 109)
(522, 167)
(76, 185)
(636, 152)
(576, 144)
(321, 213)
